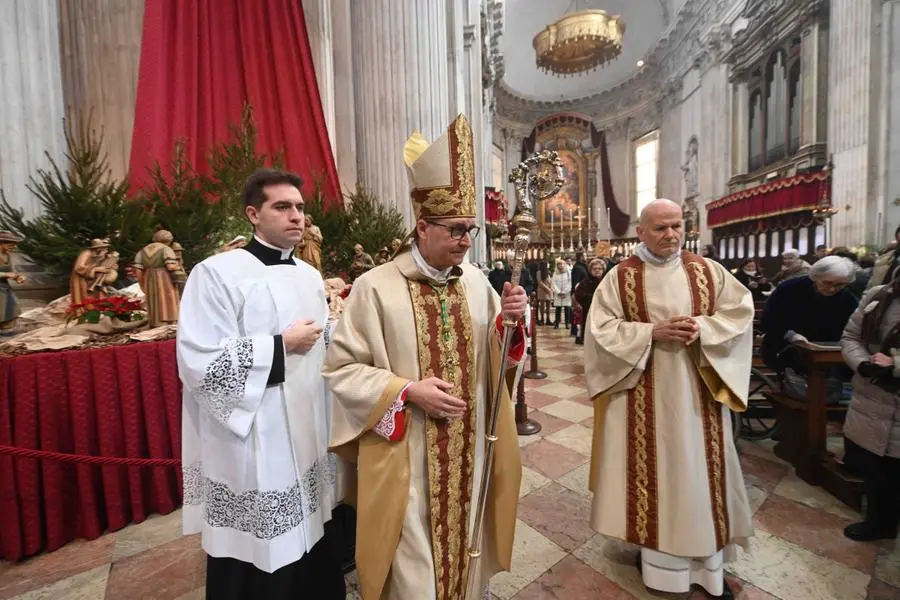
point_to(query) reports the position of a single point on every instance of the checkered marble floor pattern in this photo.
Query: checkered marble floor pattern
(799, 552)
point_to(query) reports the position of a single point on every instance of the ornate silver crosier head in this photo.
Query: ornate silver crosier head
(536, 178)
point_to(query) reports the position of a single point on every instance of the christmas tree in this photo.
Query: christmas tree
(181, 205)
(230, 164)
(80, 202)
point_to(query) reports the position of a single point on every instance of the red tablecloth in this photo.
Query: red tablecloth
(119, 401)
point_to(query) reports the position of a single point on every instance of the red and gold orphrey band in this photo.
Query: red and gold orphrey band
(703, 299)
(642, 519)
(642, 525)
(448, 353)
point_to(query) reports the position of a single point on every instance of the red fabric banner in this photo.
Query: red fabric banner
(202, 60)
(778, 197)
(119, 401)
(494, 206)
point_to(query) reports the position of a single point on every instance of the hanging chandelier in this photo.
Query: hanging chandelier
(579, 42)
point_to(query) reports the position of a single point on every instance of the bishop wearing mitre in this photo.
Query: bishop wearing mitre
(668, 349)
(411, 366)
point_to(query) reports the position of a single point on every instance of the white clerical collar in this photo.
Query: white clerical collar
(647, 256)
(284, 253)
(439, 275)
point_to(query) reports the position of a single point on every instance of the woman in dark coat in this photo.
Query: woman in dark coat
(750, 275)
(584, 292)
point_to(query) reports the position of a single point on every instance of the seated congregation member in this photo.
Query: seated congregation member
(792, 266)
(669, 345)
(814, 308)
(584, 292)
(871, 347)
(753, 279)
(259, 483)
(411, 365)
(860, 282)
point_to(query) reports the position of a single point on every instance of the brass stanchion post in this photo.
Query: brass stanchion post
(524, 425)
(535, 372)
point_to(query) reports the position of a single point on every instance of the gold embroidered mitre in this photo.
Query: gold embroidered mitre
(442, 174)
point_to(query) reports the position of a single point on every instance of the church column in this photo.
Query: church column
(318, 28)
(888, 186)
(31, 105)
(344, 108)
(855, 49)
(401, 83)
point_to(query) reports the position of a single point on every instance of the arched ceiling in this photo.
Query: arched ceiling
(645, 21)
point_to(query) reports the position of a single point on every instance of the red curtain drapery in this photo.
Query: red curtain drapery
(778, 197)
(203, 60)
(618, 219)
(119, 401)
(494, 206)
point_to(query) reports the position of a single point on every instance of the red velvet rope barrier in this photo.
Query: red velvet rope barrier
(91, 460)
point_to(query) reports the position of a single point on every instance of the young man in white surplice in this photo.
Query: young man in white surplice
(259, 483)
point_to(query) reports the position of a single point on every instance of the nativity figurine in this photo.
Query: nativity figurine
(310, 248)
(87, 268)
(362, 261)
(158, 270)
(9, 305)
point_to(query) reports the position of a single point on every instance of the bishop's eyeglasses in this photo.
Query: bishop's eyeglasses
(458, 230)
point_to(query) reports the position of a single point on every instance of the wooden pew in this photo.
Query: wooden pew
(803, 426)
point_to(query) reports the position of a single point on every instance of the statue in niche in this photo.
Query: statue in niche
(690, 169)
(691, 217)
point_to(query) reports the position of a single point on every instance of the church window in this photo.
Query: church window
(646, 169)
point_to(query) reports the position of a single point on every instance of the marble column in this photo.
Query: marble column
(318, 28)
(401, 83)
(888, 186)
(344, 106)
(854, 87)
(31, 105)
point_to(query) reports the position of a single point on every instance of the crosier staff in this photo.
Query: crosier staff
(536, 178)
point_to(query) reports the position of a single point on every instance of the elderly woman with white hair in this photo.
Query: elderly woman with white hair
(792, 267)
(814, 308)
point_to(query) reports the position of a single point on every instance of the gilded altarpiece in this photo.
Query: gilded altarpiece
(569, 207)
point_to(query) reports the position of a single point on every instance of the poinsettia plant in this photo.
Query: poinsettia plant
(115, 307)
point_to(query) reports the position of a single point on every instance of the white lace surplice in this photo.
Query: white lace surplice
(259, 483)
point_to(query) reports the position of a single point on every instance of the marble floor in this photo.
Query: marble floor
(798, 553)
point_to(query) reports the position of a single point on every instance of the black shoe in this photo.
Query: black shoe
(579, 341)
(867, 532)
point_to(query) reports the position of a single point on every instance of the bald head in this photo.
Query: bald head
(661, 227)
(660, 206)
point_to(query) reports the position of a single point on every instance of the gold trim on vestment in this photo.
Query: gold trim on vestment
(642, 512)
(446, 351)
(701, 283)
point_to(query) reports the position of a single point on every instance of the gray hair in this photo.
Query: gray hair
(836, 266)
(790, 253)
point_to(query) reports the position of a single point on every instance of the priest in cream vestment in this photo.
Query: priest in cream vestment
(667, 353)
(411, 366)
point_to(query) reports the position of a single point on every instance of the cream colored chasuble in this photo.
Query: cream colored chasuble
(664, 469)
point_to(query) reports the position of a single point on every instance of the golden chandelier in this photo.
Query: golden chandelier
(579, 42)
